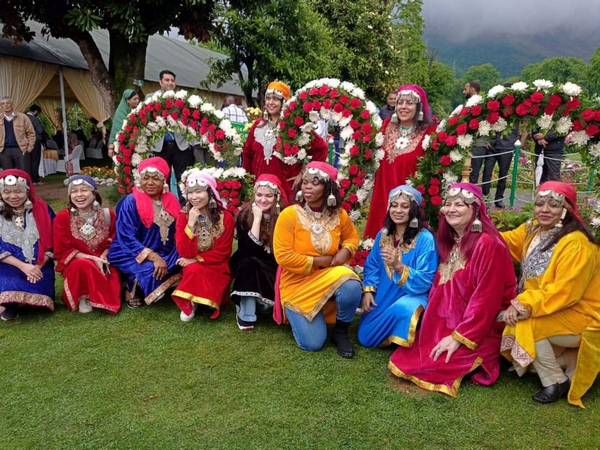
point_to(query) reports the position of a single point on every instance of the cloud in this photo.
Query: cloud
(460, 20)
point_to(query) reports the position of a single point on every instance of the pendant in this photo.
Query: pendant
(317, 228)
(164, 215)
(402, 142)
(87, 230)
(269, 133)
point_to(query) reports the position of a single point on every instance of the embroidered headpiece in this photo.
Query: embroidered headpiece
(407, 192)
(81, 180)
(14, 181)
(279, 90)
(320, 170)
(408, 94)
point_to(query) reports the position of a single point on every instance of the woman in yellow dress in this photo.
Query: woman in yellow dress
(313, 240)
(559, 294)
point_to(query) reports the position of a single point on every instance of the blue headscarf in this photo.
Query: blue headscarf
(405, 189)
(86, 180)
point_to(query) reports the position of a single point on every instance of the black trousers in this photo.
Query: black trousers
(552, 162)
(13, 158)
(503, 166)
(178, 160)
(476, 164)
(35, 157)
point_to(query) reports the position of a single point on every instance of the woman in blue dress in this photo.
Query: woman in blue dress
(26, 260)
(398, 273)
(144, 247)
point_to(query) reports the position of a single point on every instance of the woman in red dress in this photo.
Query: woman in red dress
(260, 148)
(83, 233)
(403, 133)
(203, 236)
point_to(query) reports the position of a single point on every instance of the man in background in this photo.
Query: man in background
(481, 144)
(36, 155)
(390, 107)
(233, 111)
(17, 137)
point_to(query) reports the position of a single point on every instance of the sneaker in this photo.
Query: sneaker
(85, 306)
(184, 317)
(10, 313)
(243, 325)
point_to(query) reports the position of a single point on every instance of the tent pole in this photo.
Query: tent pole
(64, 112)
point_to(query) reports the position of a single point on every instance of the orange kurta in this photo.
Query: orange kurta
(305, 289)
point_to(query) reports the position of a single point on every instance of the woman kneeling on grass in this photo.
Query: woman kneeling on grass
(253, 265)
(26, 264)
(82, 234)
(475, 281)
(313, 240)
(559, 297)
(398, 273)
(204, 238)
(144, 246)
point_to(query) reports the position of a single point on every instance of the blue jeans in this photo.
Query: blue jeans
(247, 309)
(311, 336)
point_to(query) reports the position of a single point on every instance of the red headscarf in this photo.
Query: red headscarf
(327, 168)
(277, 182)
(143, 201)
(568, 191)
(40, 213)
(422, 95)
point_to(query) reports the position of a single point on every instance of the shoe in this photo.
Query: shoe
(185, 318)
(499, 205)
(11, 312)
(552, 393)
(84, 306)
(243, 325)
(341, 341)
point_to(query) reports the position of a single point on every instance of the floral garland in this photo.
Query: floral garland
(542, 105)
(346, 106)
(590, 211)
(360, 256)
(188, 115)
(235, 185)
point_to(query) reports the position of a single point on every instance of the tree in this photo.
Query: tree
(485, 74)
(593, 73)
(558, 70)
(129, 24)
(279, 39)
(439, 86)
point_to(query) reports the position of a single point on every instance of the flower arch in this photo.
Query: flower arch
(189, 115)
(542, 105)
(345, 105)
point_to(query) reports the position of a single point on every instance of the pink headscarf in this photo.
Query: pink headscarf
(331, 171)
(196, 175)
(143, 201)
(422, 95)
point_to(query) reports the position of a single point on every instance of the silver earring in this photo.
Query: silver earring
(331, 201)
(212, 204)
(477, 226)
(299, 196)
(165, 188)
(420, 116)
(277, 208)
(95, 205)
(28, 204)
(559, 224)
(414, 223)
(1, 205)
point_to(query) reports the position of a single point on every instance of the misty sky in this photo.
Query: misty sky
(462, 19)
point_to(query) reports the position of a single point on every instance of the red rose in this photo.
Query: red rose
(345, 183)
(291, 105)
(356, 135)
(227, 184)
(220, 134)
(121, 137)
(367, 128)
(365, 114)
(358, 181)
(121, 190)
(132, 118)
(476, 110)
(347, 206)
(338, 107)
(461, 130)
(452, 120)
(164, 113)
(464, 112)
(344, 99)
(212, 127)
(127, 170)
(286, 113)
(169, 103)
(435, 182)
(573, 104)
(185, 112)
(537, 97)
(302, 95)
(355, 124)
(355, 103)
(291, 132)
(313, 91)
(451, 141)
(549, 109)
(175, 115)
(508, 111)
(592, 130)
(224, 194)
(445, 160)
(474, 124)
(334, 93)
(493, 117)
(555, 100)
(342, 193)
(597, 115)
(588, 115)
(534, 110)
(236, 185)
(346, 113)
(144, 121)
(522, 110)
(327, 104)
(307, 107)
(235, 201)
(433, 190)
(127, 180)
(316, 105)
(493, 105)
(353, 169)
(353, 198)
(234, 194)
(577, 125)
(368, 154)
(298, 121)
(294, 149)
(508, 100)
(442, 136)
(179, 103)
(196, 114)
(323, 90)
(281, 124)
(435, 145)
(421, 189)
(157, 106)
(220, 185)
(354, 151)
(204, 121)
(436, 200)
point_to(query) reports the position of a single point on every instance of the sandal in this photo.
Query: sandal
(132, 302)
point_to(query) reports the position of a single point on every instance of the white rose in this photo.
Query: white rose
(136, 159)
(456, 110)
(571, 89)
(456, 155)
(344, 121)
(484, 128)
(169, 94)
(379, 138)
(325, 113)
(543, 85)
(500, 125)
(303, 140)
(426, 142)
(474, 100)
(545, 122)
(207, 107)
(358, 92)
(333, 83)
(493, 92)
(181, 94)
(563, 126)
(336, 117)
(308, 127)
(219, 114)
(465, 141)
(314, 116)
(370, 106)
(346, 133)
(377, 122)
(379, 155)
(194, 101)
(225, 125)
(519, 86)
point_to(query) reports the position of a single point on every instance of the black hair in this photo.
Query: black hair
(393, 91)
(133, 94)
(409, 232)
(570, 225)
(331, 188)
(166, 72)
(9, 211)
(213, 213)
(98, 198)
(34, 108)
(475, 85)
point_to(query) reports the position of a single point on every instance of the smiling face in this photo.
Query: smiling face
(82, 197)
(152, 185)
(391, 99)
(400, 211)
(547, 211)
(312, 190)
(273, 105)
(264, 198)
(15, 197)
(406, 109)
(198, 198)
(458, 214)
(167, 82)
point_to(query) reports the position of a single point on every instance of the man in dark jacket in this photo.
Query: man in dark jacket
(501, 150)
(552, 146)
(36, 155)
(390, 107)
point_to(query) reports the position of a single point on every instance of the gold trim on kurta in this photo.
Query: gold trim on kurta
(404, 276)
(310, 315)
(189, 233)
(199, 258)
(369, 289)
(141, 257)
(351, 248)
(160, 291)
(520, 307)
(465, 341)
(75, 305)
(70, 257)
(320, 226)
(412, 329)
(194, 299)
(25, 298)
(456, 262)
(309, 265)
(451, 391)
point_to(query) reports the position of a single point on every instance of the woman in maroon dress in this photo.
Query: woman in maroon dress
(82, 235)
(474, 282)
(259, 153)
(403, 133)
